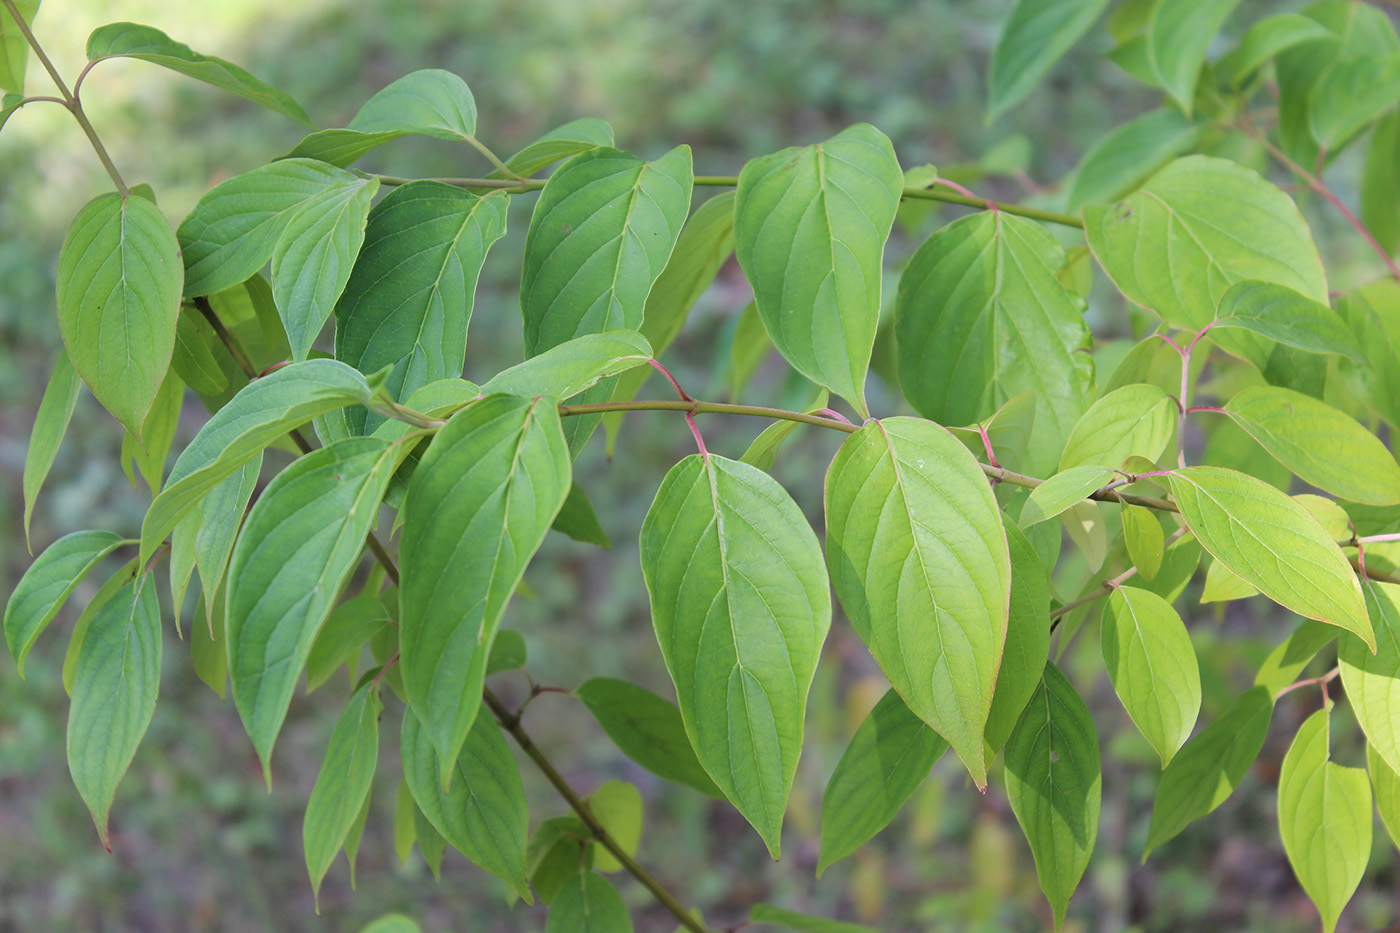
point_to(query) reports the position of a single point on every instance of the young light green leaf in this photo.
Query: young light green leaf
(647, 729)
(297, 548)
(1126, 156)
(261, 413)
(1178, 35)
(1197, 227)
(344, 634)
(1380, 184)
(1223, 585)
(484, 814)
(1271, 542)
(343, 785)
(810, 226)
(1062, 491)
(1324, 446)
(579, 521)
(1280, 313)
(792, 920)
(1135, 420)
(888, 758)
(1385, 782)
(1027, 640)
(14, 49)
(1283, 665)
(478, 506)
(559, 143)
(1152, 666)
(48, 583)
(1055, 785)
(617, 805)
(981, 316)
(588, 903)
(1324, 817)
(129, 40)
(741, 652)
(119, 280)
(114, 695)
(1351, 93)
(573, 366)
(1143, 535)
(1210, 766)
(208, 646)
(1372, 681)
(409, 298)
(313, 257)
(1035, 36)
(50, 425)
(920, 562)
(1263, 40)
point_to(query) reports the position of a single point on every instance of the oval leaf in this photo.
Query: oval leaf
(1135, 420)
(48, 583)
(1279, 313)
(573, 366)
(1063, 491)
(588, 903)
(1372, 681)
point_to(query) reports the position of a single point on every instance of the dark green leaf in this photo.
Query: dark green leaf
(1035, 36)
(648, 729)
(208, 646)
(344, 634)
(588, 903)
(343, 784)
(1027, 640)
(148, 451)
(48, 583)
(579, 521)
(50, 425)
(1283, 665)
(559, 849)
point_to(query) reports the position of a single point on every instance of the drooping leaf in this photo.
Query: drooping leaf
(1265, 39)
(14, 49)
(484, 814)
(208, 646)
(1193, 230)
(146, 452)
(1152, 665)
(810, 226)
(119, 281)
(1351, 93)
(114, 695)
(1055, 785)
(1128, 154)
(1135, 420)
(346, 631)
(409, 298)
(1035, 36)
(263, 411)
(1142, 534)
(573, 366)
(297, 548)
(1027, 640)
(588, 903)
(1380, 184)
(1210, 766)
(1372, 681)
(749, 348)
(1178, 36)
(559, 848)
(50, 425)
(431, 844)
(1271, 542)
(792, 920)
(129, 40)
(647, 729)
(578, 519)
(343, 784)
(740, 602)
(887, 759)
(479, 504)
(1324, 817)
(617, 805)
(220, 516)
(981, 316)
(1283, 665)
(919, 560)
(1385, 783)
(48, 583)
(559, 143)
(1063, 491)
(1324, 446)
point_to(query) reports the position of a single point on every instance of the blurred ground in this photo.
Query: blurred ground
(198, 843)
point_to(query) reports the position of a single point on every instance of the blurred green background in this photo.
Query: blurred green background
(200, 845)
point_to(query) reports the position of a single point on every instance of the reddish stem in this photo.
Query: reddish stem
(671, 379)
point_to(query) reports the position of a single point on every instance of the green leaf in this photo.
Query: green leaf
(118, 281)
(343, 785)
(14, 49)
(559, 143)
(208, 645)
(1372, 681)
(1142, 534)
(1271, 542)
(48, 583)
(221, 515)
(431, 845)
(1135, 420)
(1386, 785)
(647, 729)
(129, 40)
(792, 920)
(114, 695)
(1279, 313)
(346, 631)
(1127, 155)
(747, 351)
(1178, 35)
(355, 836)
(1055, 785)
(10, 101)
(764, 449)
(1027, 640)
(50, 425)
(559, 849)
(409, 298)
(508, 653)
(1152, 665)
(393, 923)
(478, 506)
(888, 758)
(148, 451)
(194, 360)
(1034, 37)
(981, 316)
(1197, 227)
(1210, 766)
(1084, 523)
(1323, 446)
(579, 521)
(432, 102)
(919, 560)
(810, 226)
(573, 366)
(741, 605)
(261, 413)
(617, 805)
(1351, 93)
(1265, 39)
(297, 549)
(105, 594)
(484, 815)
(588, 903)
(1324, 817)
(313, 257)
(1283, 665)
(1063, 491)
(1380, 184)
